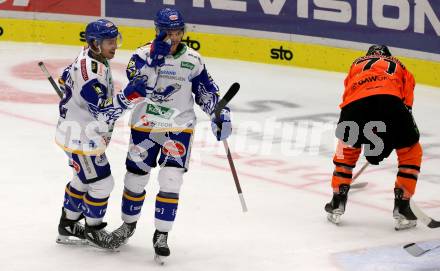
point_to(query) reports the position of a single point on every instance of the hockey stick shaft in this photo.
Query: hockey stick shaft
(235, 176)
(220, 105)
(362, 184)
(360, 171)
(49, 77)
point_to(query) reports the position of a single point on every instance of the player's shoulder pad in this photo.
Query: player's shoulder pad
(91, 68)
(143, 51)
(193, 55)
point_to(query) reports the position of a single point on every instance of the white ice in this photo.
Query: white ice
(285, 176)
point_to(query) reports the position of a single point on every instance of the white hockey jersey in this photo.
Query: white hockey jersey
(182, 80)
(89, 107)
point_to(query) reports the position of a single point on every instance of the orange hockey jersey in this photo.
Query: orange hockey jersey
(377, 74)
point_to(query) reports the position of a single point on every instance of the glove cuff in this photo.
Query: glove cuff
(123, 101)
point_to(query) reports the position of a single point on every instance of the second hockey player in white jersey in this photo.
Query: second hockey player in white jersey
(88, 112)
(162, 127)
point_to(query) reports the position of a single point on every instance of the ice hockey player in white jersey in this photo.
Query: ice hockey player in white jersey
(88, 111)
(162, 127)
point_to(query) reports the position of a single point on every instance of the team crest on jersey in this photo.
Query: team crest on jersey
(173, 148)
(163, 94)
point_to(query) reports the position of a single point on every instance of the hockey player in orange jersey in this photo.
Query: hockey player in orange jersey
(376, 114)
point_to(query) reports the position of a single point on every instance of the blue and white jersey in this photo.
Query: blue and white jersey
(182, 80)
(89, 107)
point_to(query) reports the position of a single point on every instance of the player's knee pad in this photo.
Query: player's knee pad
(170, 179)
(77, 184)
(102, 188)
(136, 183)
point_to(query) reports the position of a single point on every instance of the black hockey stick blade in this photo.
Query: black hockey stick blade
(434, 224)
(233, 89)
(422, 216)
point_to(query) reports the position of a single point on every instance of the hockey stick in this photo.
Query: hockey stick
(428, 221)
(220, 105)
(49, 77)
(362, 184)
(422, 216)
(416, 251)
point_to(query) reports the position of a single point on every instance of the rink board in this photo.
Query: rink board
(280, 52)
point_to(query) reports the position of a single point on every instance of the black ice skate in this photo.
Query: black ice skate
(402, 213)
(123, 233)
(98, 237)
(336, 207)
(160, 246)
(70, 232)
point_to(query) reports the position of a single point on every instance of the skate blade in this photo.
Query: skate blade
(334, 218)
(90, 243)
(160, 260)
(70, 240)
(401, 223)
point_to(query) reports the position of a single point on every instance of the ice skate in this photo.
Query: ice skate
(123, 233)
(98, 237)
(160, 245)
(402, 213)
(70, 232)
(336, 207)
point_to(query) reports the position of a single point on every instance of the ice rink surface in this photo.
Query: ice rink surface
(283, 144)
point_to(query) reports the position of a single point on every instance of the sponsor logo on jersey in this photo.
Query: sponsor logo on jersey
(173, 148)
(95, 67)
(84, 69)
(75, 166)
(101, 160)
(187, 65)
(281, 53)
(167, 72)
(369, 79)
(161, 111)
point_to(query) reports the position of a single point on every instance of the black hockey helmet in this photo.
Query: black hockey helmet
(378, 50)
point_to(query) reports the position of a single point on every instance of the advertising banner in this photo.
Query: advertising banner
(71, 7)
(407, 24)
